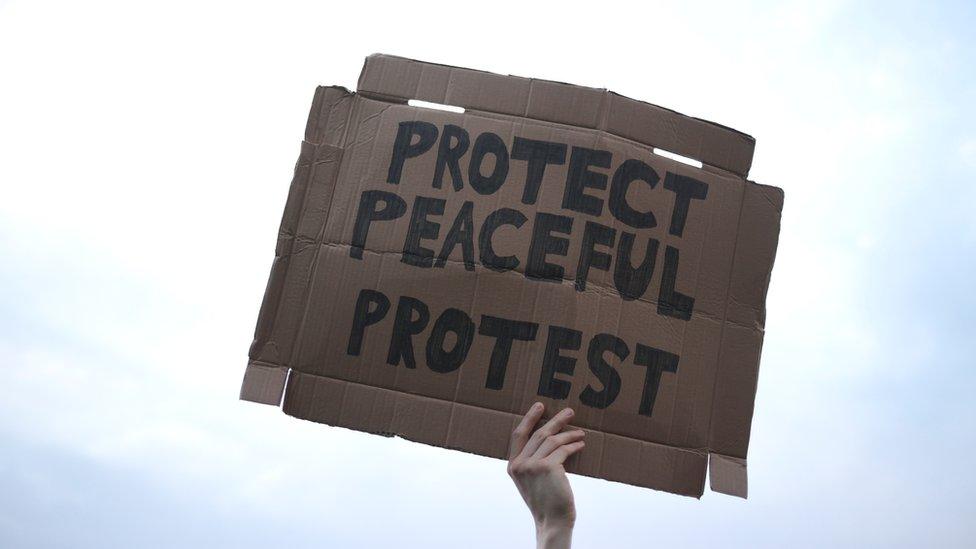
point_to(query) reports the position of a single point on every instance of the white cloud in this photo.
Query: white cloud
(968, 152)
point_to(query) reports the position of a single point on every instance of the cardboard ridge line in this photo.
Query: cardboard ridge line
(268, 384)
(486, 72)
(409, 421)
(591, 286)
(399, 79)
(265, 380)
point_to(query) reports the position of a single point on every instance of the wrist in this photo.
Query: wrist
(552, 534)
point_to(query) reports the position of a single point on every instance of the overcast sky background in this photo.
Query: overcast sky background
(145, 156)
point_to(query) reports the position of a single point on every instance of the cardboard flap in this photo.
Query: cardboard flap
(264, 384)
(448, 424)
(396, 78)
(727, 475)
(740, 344)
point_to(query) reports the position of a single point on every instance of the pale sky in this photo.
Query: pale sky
(145, 156)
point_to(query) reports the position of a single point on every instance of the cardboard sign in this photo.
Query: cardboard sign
(438, 272)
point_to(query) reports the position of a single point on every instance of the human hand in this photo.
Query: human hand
(535, 463)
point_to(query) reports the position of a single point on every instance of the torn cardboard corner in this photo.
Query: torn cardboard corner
(438, 272)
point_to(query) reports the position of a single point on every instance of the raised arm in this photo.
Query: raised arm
(535, 463)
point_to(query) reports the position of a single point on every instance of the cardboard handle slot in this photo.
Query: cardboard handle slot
(435, 106)
(677, 157)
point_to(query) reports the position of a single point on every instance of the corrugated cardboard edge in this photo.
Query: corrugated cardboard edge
(264, 383)
(274, 339)
(727, 475)
(446, 424)
(393, 78)
(734, 394)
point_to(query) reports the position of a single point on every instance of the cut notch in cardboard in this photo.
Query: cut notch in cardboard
(384, 276)
(435, 106)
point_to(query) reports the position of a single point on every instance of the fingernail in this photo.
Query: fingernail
(569, 411)
(582, 433)
(537, 406)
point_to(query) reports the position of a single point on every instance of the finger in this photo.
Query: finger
(551, 427)
(524, 429)
(555, 441)
(559, 455)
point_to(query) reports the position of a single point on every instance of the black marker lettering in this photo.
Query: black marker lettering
(559, 338)
(421, 229)
(628, 172)
(404, 148)
(488, 143)
(580, 177)
(405, 326)
(504, 331)
(363, 317)
(393, 207)
(462, 232)
(497, 218)
(657, 362)
(670, 302)
(607, 374)
(451, 320)
(449, 155)
(593, 234)
(632, 282)
(685, 189)
(539, 154)
(544, 243)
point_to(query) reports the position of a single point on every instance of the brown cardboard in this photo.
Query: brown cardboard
(686, 384)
